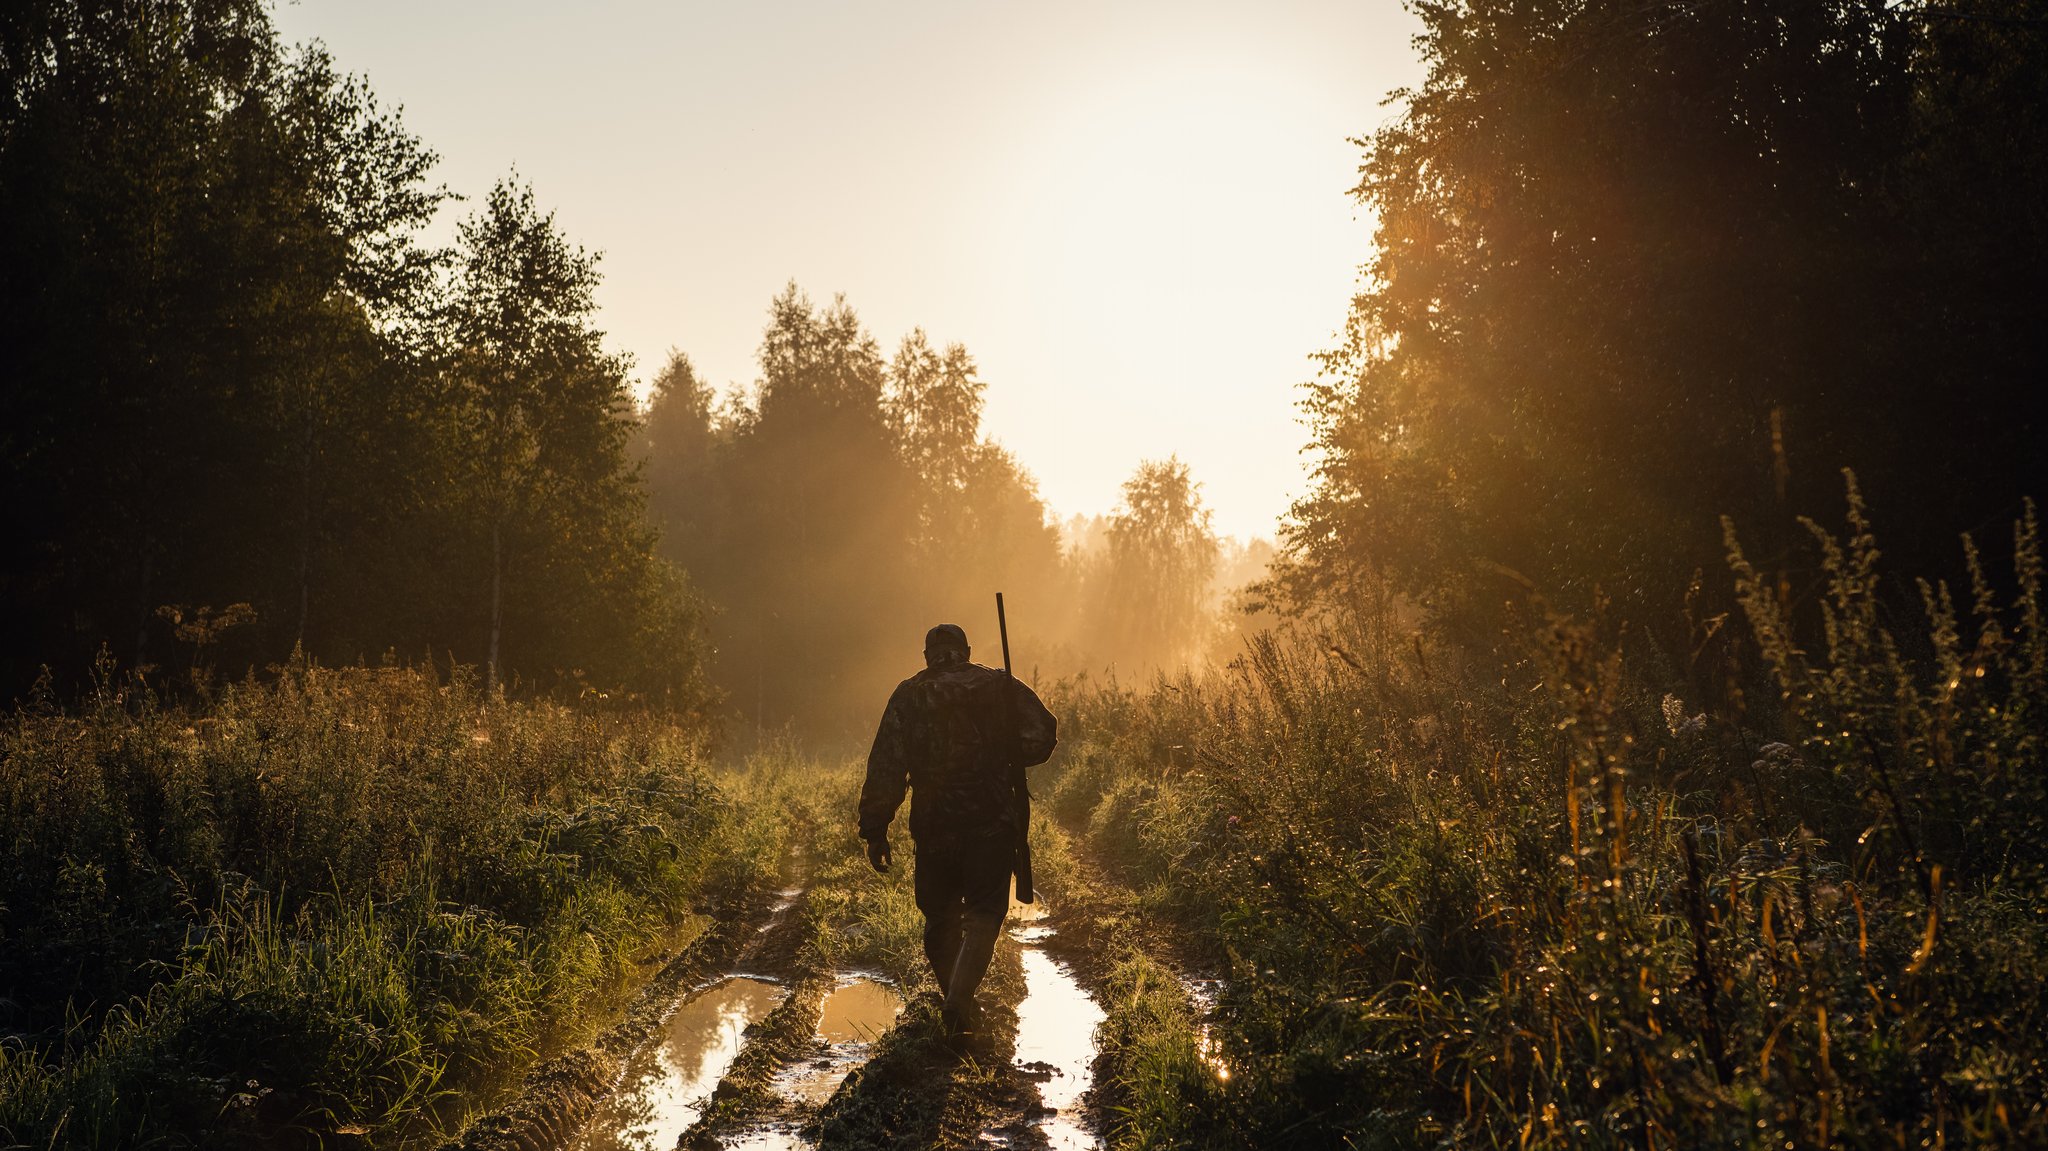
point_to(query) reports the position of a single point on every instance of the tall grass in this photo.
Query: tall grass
(1573, 901)
(323, 901)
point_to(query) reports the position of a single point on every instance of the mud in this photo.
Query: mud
(667, 1084)
(748, 1100)
(919, 1090)
(561, 1095)
(853, 1016)
(852, 1011)
(779, 1055)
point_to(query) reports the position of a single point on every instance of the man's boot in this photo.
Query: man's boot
(977, 946)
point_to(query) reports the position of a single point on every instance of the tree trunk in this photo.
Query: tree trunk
(143, 597)
(497, 601)
(305, 527)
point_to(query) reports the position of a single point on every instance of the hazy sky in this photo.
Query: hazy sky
(1132, 213)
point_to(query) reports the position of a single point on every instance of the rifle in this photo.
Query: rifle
(1020, 784)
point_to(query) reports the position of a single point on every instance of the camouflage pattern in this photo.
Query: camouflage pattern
(957, 736)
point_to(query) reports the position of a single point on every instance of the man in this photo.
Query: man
(958, 736)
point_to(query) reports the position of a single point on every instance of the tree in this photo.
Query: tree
(981, 524)
(812, 566)
(229, 378)
(839, 510)
(1149, 594)
(207, 256)
(537, 398)
(936, 399)
(1637, 267)
(678, 444)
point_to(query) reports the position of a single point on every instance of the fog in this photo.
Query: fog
(849, 499)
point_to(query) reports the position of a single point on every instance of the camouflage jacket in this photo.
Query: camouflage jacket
(958, 737)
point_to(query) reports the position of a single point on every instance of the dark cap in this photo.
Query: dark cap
(946, 636)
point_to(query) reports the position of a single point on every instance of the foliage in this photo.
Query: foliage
(327, 902)
(1636, 265)
(838, 510)
(1149, 593)
(235, 374)
(1552, 904)
(538, 420)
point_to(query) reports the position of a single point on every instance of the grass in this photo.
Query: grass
(1786, 888)
(1579, 897)
(334, 903)
(1154, 1087)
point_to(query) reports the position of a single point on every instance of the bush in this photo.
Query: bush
(327, 899)
(1552, 904)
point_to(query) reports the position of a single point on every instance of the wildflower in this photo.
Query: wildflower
(1675, 718)
(1775, 756)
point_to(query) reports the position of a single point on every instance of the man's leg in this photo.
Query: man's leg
(985, 872)
(942, 934)
(977, 947)
(938, 897)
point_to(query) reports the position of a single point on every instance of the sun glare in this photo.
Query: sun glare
(1181, 236)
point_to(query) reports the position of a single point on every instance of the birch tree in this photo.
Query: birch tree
(536, 398)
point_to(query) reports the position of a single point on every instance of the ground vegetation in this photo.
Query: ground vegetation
(1785, 891)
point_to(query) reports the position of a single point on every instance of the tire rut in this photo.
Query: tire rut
(559, 1096)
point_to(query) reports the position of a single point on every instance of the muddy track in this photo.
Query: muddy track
(793, 1078)
(557, 1097)
(1099, 923)
(747, 1096)
(1100, 927)
(799, 1084)
(918, 1090)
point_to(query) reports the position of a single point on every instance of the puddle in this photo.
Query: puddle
(858, 1011)
(854, 1013)
(1055, 1032)
(768, 1139)
(1208, 1048)
(1027, 922)
(667, 1083)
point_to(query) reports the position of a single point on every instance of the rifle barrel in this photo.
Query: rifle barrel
(1003, 626)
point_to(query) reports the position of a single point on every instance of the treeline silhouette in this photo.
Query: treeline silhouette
(241, 388)
(249, 411)
(1639, 266)
(850, 500)
(1515, 831)
(1636, 269)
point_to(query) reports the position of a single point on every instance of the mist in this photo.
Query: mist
(850, 498)
(1632, 733)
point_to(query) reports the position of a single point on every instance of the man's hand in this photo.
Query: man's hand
(878, 853)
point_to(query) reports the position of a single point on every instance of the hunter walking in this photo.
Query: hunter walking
(958, 736)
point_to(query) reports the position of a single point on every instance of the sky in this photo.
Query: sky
(1134, 214)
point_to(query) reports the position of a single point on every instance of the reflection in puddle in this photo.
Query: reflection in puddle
(858, 1011)
(666, 1084)
(766, 1139)
(853, 1015)
(1056, 1040)
(1208, 1048)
